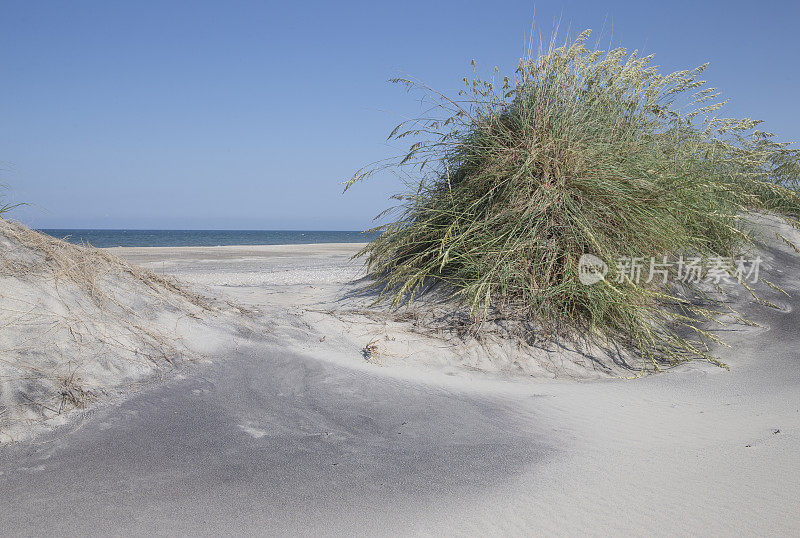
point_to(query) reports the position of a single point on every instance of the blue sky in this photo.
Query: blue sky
(249, 115)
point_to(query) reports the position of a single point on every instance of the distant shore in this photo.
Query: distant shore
(147, 254)
(108, 238)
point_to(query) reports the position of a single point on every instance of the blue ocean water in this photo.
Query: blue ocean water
(202, 238)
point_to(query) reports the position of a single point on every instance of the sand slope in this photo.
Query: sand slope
(78, 325)
(284, 436)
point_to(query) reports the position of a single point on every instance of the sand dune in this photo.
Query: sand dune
(79, 326)
(297, 431)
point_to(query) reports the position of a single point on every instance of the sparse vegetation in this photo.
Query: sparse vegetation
(4, 207)
(581, 151)
(78, 321)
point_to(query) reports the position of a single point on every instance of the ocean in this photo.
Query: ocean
(202, 238)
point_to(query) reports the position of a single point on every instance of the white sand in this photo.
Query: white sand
(302, 434)
(79, 327)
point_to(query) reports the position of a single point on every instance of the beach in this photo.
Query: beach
(293, 428)
(399, 269)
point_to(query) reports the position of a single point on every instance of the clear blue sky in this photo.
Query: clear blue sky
(236, 114)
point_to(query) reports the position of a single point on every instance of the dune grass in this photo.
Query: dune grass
(4, 207)
(581, 151)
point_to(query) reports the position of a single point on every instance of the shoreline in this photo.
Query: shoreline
(145, 254)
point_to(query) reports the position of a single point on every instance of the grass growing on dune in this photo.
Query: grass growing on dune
(4, 207)
(581, 151)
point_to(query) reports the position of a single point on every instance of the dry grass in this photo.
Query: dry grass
(75, 320)
(83, 266)
(372, 352)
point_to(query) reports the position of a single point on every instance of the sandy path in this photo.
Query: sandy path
(274, 441)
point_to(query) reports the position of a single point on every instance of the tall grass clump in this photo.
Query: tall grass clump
(582, 151)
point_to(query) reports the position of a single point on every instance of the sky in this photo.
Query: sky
(249, 115)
